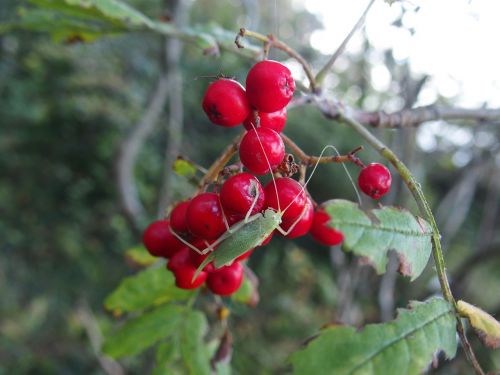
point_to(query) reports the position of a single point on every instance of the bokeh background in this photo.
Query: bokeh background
(67, 109)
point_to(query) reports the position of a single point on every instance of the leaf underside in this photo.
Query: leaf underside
(405, 345)
(373, 233)
(486, 327)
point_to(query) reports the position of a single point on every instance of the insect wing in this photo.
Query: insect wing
(248, 237)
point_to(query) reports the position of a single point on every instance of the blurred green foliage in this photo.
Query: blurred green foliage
(64, 110)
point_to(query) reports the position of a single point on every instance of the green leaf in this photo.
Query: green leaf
(194, 351)
(140, 256)
(373, 233)
(166, 352)
(485, 326)
(184, 168)
(404, 346)
(86, 20)
(140, 333)
(152, 286)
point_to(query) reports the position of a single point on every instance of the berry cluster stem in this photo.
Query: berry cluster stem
(271, 41)
(424, 207)
(309, 160)
(219, 164)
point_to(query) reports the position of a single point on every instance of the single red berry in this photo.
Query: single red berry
(204, 216)
(374, 180)
(239, 192)
(159, 240)
(274, 120)
(261, 148)
(225, 103)
(225, 280)
(184, 277)
(290, 194)
(322, 232)
(270, 86)
(178, 221)
(303, 225)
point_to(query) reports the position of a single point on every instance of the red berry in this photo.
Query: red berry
(204, 216)
(225, 280)
(322, 232)
(270, 86)
(258, 144)
(274, 120)
(184, 277)
(289, 193)
(159, 240)
(374, 180)
(303, 225)
(225, 103)
(238, 193)
(178, 221)
(180, 259)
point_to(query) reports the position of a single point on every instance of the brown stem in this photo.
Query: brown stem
(309, 160)
(271, 41)
(219, 164)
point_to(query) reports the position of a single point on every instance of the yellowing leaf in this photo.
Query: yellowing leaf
(485, 326)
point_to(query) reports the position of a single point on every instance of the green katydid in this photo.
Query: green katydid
(253, 230)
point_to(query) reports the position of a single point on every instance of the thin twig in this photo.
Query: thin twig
(324, 71)
(271, 41)
(309, 160)
(219, 164)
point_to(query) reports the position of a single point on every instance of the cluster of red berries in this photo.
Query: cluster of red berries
(197, 223)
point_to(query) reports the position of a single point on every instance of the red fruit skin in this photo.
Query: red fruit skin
(178, 221)
(256, 145)
(270, 86)
(225, 103)
(238, 193)
(303, 225)
(184, 277)
(288, 191)
(274, 120)
(180, 259)
(322, 232)
(225, 280)
(159, 240)
(375, 180)
(204, 216)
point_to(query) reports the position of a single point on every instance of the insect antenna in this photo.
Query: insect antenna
(314, 170)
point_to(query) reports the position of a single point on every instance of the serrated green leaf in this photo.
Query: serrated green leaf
(486, 327)
(404, 346)
(140, 256)
(373, 233)
(152, 286)
(184, 168)
(194, 352)
(140, 333)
